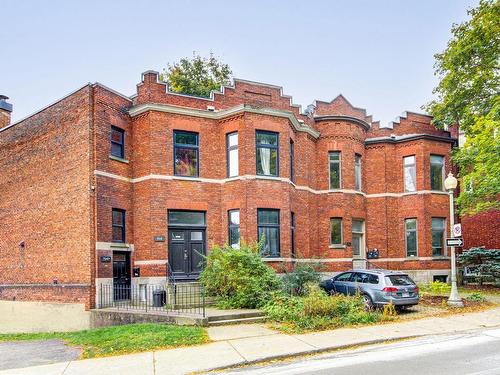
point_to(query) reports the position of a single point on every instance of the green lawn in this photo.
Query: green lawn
(124, 339)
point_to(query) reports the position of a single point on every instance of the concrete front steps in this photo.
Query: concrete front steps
(236, 317)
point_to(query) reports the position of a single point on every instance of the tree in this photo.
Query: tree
(197, 76)
(485, 262)
(468, 96)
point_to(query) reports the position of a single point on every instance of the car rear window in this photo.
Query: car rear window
(400, 280)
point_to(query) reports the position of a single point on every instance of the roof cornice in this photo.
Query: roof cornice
(408, 138)
(356, 120)
(220, 114)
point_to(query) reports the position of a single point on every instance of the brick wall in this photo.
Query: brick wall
(45, 212)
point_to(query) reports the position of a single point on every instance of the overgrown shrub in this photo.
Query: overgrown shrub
(238, 278)
(294, 282)
(475, 297)
(317, 310)
(436, 287)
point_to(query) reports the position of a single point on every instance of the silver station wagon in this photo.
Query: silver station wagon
(378, 287)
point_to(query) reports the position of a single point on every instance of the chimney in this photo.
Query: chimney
(5, 111)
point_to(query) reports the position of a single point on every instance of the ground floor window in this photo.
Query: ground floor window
(411, 237)
(335, 231)
(292, 234)
(438, 225)
(234, 228)
(268, 224)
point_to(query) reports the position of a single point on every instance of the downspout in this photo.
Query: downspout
(92, 200)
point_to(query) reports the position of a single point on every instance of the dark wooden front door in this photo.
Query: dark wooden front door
(121, 275)
(186, 248)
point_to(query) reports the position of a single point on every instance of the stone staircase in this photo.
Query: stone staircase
(236, 317)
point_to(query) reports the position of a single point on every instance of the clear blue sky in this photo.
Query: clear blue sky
(379, 54)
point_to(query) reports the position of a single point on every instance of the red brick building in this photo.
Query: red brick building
(100, 187)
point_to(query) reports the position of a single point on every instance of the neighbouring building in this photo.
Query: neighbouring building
(478, 230)
(101, 188)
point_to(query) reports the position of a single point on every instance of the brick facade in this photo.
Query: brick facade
(60, 184)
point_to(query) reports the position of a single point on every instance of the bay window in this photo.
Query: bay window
(186, 154)
(411, 237)
(267, 153)
(335, 168)
(232, 155)
(335, 231)
(409, 173)
(438, 231)
(357, 172)
(437, 172)
(234, 228)
(268, 226)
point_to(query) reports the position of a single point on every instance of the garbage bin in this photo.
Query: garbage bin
(159, 298)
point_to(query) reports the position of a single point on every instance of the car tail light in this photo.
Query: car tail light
(390, 289)
(416, 289)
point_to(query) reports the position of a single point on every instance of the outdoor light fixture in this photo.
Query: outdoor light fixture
(454, 300)
(451, 182)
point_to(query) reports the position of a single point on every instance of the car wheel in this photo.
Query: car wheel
(368, 302)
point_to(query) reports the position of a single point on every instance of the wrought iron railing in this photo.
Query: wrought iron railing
(182, 298)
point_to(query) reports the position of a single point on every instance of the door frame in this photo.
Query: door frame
(203, 229)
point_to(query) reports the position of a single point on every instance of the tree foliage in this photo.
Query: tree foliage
(468, 95)
(197, 76)
(486, 262)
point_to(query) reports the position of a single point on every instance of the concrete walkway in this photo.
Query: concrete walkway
(242, 344)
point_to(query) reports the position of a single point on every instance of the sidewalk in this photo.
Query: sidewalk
(241, 344)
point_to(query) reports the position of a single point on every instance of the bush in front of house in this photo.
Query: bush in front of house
(435, 288)
(295, 281)
(317, 310)
(238, 278)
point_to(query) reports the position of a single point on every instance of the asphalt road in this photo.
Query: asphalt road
(475, 353)
(33, 353)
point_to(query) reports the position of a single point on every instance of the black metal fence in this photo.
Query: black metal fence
(174, 298)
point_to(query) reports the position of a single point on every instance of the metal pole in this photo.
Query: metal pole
(454, 300)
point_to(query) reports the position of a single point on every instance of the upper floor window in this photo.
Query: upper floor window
(409, 173)
(118, 225)
(234, 228)
(335, 231)
(292, 157)
(232, 155)
(357, 172)
(411, 237)
(117, 142)
(186, 154)
(438, 236)
(267, 154)
(335, 164)
(437, 172)
(268, 226)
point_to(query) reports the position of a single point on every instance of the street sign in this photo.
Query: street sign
(458, 242)
(457, 230)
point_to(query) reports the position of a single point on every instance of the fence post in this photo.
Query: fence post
(203, 298)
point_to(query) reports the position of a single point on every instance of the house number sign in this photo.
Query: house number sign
(159, 238)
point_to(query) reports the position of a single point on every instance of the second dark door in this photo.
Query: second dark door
(121, 275)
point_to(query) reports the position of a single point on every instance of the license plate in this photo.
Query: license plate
(406, 295)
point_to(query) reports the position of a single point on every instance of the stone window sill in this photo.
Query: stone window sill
(112, 157)
(337, 246)
(441, 258)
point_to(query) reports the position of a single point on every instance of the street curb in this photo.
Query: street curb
(308, 352)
